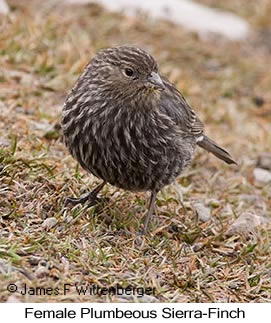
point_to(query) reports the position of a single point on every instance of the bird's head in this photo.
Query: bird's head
(127, 73)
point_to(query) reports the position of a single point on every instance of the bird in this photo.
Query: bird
(128, 125)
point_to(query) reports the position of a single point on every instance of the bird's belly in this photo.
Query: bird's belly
(139, 170)
(136, 152)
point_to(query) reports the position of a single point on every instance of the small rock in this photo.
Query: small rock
(148, 299)
(13, 299)
(49, 223)
(66, 265)
(207, 21)
(68, 219)
(43, 125)
(262, 175)
(140, 299)
(258, 101)
(253, 198)
(202, 211)
(198, 246)
(34, 260)
(41, 272)
(235, 284)
(5, 267)
(20, 77)
(264, 161)
(4, 9)
(246, 223)
(4, 142)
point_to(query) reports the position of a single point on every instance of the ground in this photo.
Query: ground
(43, 243)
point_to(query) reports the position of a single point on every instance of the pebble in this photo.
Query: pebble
(49, 223)
(140, 299)
(34, 260)
(262, 175)
(192, 15)
(4, 9)
(13, 299)
(202, 211)
(41, 272)
(246, 223)
(264, 161)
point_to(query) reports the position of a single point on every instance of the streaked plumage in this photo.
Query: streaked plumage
(129, 126)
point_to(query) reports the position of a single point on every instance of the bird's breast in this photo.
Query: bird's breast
(132, 150)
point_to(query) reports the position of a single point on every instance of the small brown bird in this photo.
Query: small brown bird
(129, 126)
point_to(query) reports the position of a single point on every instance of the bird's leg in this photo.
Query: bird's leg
(90, 197)
(149, 213)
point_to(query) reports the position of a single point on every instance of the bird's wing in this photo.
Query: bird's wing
(175, 106)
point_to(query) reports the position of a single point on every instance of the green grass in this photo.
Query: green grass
(42, 53)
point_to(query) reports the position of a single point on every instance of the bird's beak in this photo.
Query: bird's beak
(156, 81)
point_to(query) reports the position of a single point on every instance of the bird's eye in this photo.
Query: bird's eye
(128, 72)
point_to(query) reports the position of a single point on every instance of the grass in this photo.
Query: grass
(44, 243)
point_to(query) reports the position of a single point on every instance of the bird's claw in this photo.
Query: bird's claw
(75, 200)
(89, 198)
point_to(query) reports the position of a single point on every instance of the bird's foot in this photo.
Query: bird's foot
(77, 200)
(90, 198)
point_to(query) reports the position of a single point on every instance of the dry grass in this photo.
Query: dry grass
(42, 51)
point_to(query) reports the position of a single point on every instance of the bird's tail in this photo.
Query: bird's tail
(211, 146)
